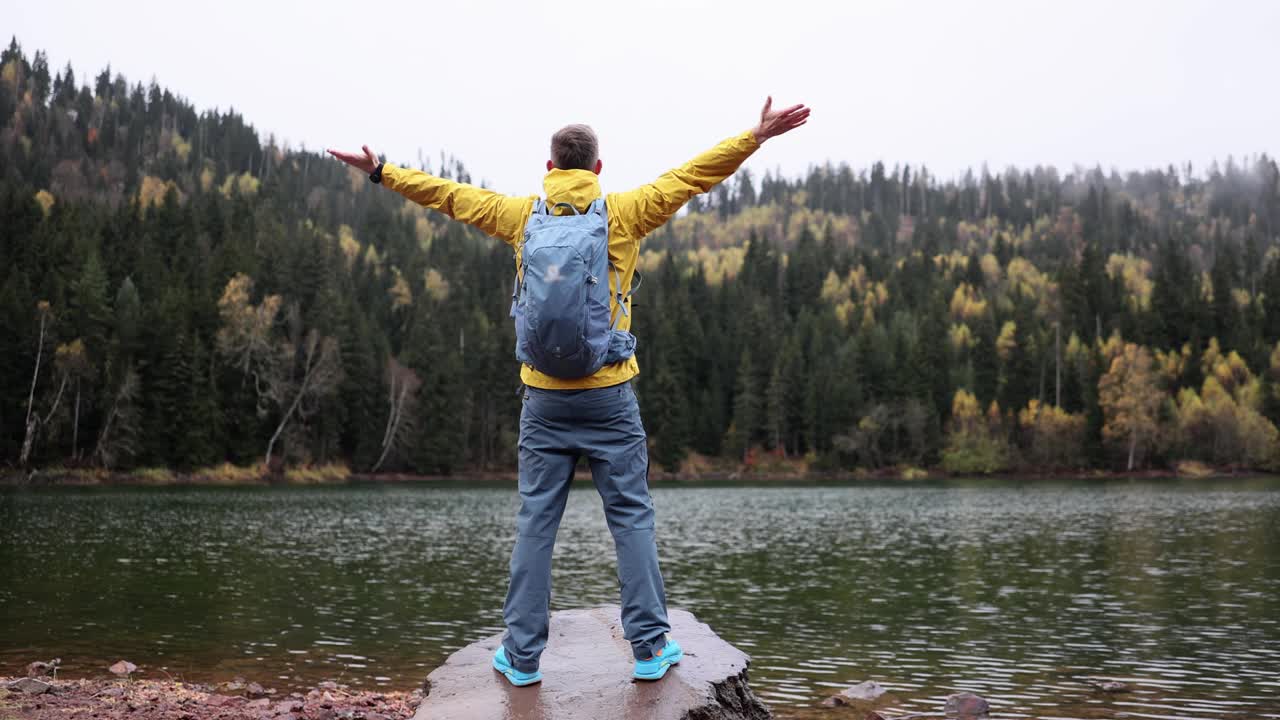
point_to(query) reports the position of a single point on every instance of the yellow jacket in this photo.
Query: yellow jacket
(632, 215)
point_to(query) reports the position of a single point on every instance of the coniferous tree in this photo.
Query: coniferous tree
(126, 212)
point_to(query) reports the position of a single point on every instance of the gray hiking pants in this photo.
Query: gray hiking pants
(556, 428)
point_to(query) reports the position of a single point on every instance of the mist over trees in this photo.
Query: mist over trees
(178, 291)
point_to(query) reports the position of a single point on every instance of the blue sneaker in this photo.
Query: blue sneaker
(516, 677)
(655, 667)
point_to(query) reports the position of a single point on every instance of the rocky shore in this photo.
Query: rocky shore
(46, 698)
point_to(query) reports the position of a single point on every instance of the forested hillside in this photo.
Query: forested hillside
(178, 291)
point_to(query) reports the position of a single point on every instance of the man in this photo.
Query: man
(596, 416)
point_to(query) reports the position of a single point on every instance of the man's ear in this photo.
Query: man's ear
(550, 166)
(599, 166)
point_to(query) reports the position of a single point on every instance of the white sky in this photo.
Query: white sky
(951, 84)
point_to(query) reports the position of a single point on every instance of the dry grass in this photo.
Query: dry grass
(317, 474)
(154, 476)
(228, 474)
(911, 472)
(1194, 469)
(76, 476)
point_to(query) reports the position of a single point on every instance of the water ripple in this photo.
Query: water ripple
(1027, 593)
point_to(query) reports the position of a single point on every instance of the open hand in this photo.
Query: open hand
(775, 122)
(366, 162)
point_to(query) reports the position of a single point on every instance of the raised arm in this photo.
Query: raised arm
(498, 215)
(653, 204)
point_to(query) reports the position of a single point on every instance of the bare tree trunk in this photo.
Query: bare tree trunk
(318, 355)
(1133, 447)
(100, 446)
(34, 422)
(271, 444)
(75, 425)
(107, 447)
(1043, 368)
(35, 376)
(1057, 365)
(393, 424)
(27, 442)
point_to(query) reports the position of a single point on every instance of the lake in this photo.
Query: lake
(1021, 591)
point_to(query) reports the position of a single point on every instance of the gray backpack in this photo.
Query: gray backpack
(561, 297)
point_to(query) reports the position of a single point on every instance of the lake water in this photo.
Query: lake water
(1023, 592)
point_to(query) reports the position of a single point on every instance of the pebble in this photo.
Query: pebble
(254, 690)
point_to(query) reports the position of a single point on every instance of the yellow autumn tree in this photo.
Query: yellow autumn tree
(45, 199)
(401, 294)
(348, 244)
(1130, 398)
(1172, 364)
(437, 285)
(1054, 437)
(1134, 272)
(972, 446)
(244, 184)
(1007, 342)
(961, 337)
(966, 305)
(153, 189)
(245, 335)
(1222, 424)
(1230, 370)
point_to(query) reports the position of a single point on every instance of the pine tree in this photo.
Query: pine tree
(670, 418)
(747, 407)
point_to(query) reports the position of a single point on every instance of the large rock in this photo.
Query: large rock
(967, 705)
(31, 686)
(862, 693)
(586, 671)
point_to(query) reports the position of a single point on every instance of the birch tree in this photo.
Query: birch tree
(72, 362)
(69, 360)
(307, 368)
(118, 438)
(1130, 398)
(42, 309)
(402, 386)
(292, 372)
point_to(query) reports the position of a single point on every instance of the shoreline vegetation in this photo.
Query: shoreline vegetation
(694, 469)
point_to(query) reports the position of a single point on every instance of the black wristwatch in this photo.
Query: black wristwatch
(376, 176)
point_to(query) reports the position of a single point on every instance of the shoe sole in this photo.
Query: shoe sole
(662, 669)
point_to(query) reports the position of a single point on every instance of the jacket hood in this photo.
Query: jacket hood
(576, 187)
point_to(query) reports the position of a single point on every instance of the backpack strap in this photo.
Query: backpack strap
(617, 297)
(539, 208)
(598, 207)
(621, 298)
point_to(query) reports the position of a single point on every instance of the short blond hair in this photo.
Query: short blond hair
(574, 147)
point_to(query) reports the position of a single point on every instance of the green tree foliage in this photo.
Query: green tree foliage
(839, 317)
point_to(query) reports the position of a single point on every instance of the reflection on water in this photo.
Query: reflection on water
(1025, 593)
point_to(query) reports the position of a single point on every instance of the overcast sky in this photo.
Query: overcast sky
(949, 84)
